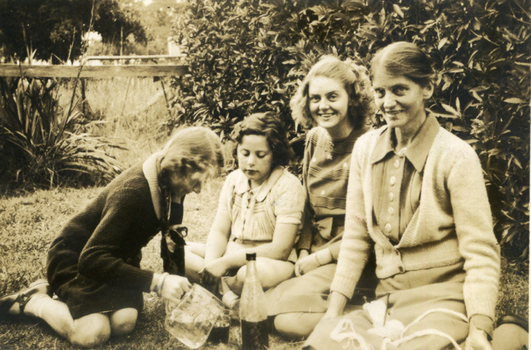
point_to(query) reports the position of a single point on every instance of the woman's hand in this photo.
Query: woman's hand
(213, 271)
(306, 264)
(337, 302)
(174, 287)
(477, 340)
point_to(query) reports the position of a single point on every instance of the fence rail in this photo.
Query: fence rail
(104, 71)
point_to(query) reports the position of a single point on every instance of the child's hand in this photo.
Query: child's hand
(174, 287)
(213, 271)
(306, 264)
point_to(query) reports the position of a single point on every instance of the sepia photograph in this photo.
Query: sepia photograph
(265, 174)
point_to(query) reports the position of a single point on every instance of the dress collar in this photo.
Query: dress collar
(419, 148)
(149, 167)
(266, 186)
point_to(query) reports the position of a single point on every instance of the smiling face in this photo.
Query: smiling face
(328, 104)
(255, 158)
(401, 100)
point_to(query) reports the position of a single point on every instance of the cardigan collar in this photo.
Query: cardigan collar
(419, 148)
(264, 188)
(150, 173)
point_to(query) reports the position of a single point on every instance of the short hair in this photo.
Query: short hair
(192, 149)
(355, 80)
(406, 59)
(266, 124)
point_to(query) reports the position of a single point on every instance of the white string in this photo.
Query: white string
(345, 330)
(447, 311)
(420, 334)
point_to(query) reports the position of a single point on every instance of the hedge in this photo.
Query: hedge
(248, 56)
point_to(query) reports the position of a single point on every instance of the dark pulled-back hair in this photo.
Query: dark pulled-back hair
(266, 124)
(406, 59)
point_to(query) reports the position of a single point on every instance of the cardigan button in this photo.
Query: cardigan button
(388, 227)
(396, 164)
(392, 181)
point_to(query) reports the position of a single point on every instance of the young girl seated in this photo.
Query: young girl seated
(94, 264)
(260, 210)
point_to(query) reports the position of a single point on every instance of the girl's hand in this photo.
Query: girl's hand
(213, 271)
(303, 253)
(174, 287)
(306, 265)
(477, 340)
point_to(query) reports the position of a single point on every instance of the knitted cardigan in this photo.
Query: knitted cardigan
(104, 240)
(452, 223)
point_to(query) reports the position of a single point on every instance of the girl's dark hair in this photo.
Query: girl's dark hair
(407, 59)
(269, 125)
(355, 80)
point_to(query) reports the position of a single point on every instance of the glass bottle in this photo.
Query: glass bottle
(253, 312)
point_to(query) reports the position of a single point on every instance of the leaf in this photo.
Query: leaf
(442, 42)
(449, 109)
(398, 10)
(514, 100)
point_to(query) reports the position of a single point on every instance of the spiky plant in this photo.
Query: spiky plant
(41, 143)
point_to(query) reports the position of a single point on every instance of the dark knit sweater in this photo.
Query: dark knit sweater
(105, 239)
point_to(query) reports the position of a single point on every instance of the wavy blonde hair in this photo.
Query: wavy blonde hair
(354, 78)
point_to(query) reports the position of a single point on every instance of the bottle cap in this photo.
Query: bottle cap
(250, 256)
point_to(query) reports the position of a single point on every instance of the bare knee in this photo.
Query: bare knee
(91, 330)
(123, 321)
(296, 325)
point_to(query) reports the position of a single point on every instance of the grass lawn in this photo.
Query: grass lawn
(29, 222)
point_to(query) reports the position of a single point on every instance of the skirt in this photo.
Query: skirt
(309, 293)
(419, 308)
(82, 295)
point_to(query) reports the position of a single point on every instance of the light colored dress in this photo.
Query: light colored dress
(254, 213)
(326, 167)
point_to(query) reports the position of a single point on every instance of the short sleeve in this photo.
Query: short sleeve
(289, 199)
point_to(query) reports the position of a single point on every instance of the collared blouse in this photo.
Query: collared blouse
(398, 178)
(254, 213)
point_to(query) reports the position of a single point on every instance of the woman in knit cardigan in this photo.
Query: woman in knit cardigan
(94, 264)
(416, 196)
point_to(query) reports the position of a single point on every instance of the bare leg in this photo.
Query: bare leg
(271, 273)
(123, 321)
(88, 331)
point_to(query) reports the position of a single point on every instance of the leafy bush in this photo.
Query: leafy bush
(42, 144)
(248, 55)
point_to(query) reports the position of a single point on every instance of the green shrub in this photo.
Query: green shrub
(248, 56)
(482, 51)
(41, 144)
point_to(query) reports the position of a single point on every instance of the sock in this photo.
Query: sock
(36, 304)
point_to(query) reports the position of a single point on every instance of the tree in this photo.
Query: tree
(53, 28)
